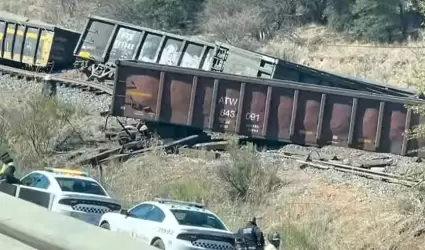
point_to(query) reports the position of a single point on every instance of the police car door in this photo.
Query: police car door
(153, 225)
(137, 219)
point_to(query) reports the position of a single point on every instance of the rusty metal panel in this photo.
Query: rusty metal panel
(393, 127)
(280, 114)
(336, 120)
(275, 110)
(254, 110)
(366, 124)
(307, 117)
(141, 95)
(176, 98)
(226, 106)
(203, 101)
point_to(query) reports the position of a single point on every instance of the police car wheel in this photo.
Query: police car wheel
(105, 225)
(159, 244)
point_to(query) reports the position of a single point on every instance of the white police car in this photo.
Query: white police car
(70, 192)
(172, 225)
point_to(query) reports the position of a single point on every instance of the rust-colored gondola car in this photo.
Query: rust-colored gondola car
(267, 109)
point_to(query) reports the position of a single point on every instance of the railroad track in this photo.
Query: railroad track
(363, 172)
(119, 153)
(92, 87)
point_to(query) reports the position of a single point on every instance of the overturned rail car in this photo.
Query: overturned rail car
(275, 110)
(35, 43)
(104, 41)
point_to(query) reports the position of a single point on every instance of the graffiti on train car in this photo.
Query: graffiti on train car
(125, 44)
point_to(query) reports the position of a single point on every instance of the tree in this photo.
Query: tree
(315, 9)
(247, 22)
(339, 13)
(172, 15)
(377, 20)
(373, 20)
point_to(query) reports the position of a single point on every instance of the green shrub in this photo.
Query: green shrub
(187, 190)
(246, 175)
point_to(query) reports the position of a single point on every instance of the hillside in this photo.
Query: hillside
(313, 209)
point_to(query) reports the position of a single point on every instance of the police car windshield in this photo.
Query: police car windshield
(197, 219)
(80, 186)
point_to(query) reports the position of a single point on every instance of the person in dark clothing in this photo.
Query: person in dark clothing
(8, 169)
(251, 237)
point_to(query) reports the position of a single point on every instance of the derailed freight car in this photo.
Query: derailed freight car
(104, 41)
(273, 110)
(254, 64)
(35, 43)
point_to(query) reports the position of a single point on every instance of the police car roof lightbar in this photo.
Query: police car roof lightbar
(184, 203)
(67, 171)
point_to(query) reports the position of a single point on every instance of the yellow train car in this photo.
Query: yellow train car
(35, 43)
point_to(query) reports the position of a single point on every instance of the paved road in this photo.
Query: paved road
(12, 244)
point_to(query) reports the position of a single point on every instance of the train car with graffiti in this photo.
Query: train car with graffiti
(104, 41)
(25, 42)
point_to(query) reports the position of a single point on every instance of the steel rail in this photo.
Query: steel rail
(58, 79)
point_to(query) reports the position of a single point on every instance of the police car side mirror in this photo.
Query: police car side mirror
(124, 212)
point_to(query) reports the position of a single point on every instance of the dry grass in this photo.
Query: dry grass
(40, 131)
(309, 213)
(319, 48)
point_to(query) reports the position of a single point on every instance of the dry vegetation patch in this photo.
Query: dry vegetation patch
(317, 47)
(310, 213)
